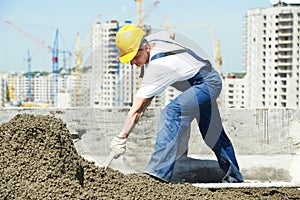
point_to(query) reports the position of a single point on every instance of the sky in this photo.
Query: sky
(40, 19)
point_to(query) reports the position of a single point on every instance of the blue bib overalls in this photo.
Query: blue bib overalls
(198, 102)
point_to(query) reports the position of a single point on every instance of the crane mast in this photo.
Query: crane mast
(140, 13)
(29, 74)
(78, 71)
(55, 70)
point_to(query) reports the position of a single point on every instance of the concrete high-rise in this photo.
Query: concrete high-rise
(3, 90)
(272, 55)
(234, 91)
(112, 82)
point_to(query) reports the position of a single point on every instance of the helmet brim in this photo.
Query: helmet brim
(128, 57)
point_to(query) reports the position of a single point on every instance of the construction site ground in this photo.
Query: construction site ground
(39, 161)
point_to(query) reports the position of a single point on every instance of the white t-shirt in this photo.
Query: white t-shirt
(172, 70)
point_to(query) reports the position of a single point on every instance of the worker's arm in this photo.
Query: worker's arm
(118, 144)
(138, 107)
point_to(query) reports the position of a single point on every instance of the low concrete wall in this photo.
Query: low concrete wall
(266, 141)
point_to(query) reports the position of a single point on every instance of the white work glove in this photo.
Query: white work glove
(118, 146)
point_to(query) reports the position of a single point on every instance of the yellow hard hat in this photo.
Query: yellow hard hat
(128, 41)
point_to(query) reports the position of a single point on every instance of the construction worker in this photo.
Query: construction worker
(169, 63)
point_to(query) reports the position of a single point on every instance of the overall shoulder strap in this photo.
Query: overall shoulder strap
(189, 51)
(163, 54)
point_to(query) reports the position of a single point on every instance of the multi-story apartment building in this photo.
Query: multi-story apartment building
(16, 87)
(71, 91)
(20, 90)
(20, 82)
(234, 91)
(41, 88)
(3, 90)
(107, 72)
(272, 55)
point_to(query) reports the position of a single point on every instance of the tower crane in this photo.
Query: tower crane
(140, 12)
(149, 11)
(42, 44)
(55, 52)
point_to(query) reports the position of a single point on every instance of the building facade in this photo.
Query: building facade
(272, 55)
(111, 81)
(234, 91)
(15, 89)
(3, 89)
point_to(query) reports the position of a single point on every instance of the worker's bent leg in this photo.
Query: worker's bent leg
(211, 127)
(173, 128)
(215, 137)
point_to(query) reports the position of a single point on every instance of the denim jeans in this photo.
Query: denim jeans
(198, 102)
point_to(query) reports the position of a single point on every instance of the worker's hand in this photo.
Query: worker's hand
(118, 146)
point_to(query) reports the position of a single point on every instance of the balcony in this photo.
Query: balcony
(112, 31)
(284, 56)
(285, 17)
(286, 25)
(284, 63)
(285, 40)
(283, 98)
(285, 70)
(285, 49)
(112, 53)
(285, 33)
(112, 41)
